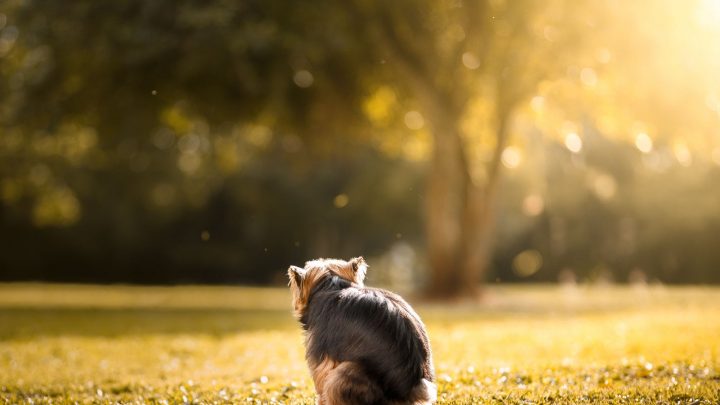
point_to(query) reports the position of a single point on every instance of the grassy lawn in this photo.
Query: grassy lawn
(523, 344)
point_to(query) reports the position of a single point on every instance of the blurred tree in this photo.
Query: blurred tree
(184, 140)
(129, 70)
(467, 61)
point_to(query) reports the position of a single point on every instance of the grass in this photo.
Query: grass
(523, 344)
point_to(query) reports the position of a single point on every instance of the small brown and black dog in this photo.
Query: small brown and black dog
(363, 345)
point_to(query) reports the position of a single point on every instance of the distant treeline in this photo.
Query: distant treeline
(254, 224)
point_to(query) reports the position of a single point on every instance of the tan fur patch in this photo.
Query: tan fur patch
(344, 270)
(320, 374)
(352, 270)
(302, 292)
(330, 392)
(315, 270)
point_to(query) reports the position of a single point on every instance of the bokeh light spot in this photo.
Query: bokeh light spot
(303, 79)
(682, 154)
(533, 205)
(189, 162)
(573, 142)
(378, 107)
(537, 103)
(511, 157)
(588, 77)
(527, 263)
(643, 142)
(414, 120)
(470, 60)
(341, 200)
(604, 186)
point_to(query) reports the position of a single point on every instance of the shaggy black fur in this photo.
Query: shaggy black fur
(373, 328)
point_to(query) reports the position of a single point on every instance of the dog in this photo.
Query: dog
(363, 345)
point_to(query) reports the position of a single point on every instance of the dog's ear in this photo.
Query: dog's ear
(359, 269)
(296, 275)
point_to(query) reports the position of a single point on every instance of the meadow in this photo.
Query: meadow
(221, 345)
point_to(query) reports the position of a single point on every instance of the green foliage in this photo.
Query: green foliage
(172, 141)
(228, 345)
(131, 130)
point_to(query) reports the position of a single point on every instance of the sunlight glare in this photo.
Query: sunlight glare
(643, 142)
(511, 157)
(708, 13)
(682, 154)
(573, 142)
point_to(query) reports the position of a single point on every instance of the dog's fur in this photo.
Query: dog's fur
(364, 345)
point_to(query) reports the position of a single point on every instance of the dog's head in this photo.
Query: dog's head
(302, 280)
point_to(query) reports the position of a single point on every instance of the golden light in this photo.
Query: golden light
(682, 154)
(511, 157)
(380, 104)
(414, 120)
(537, 103)
(588, 77)
(712, 102)
(604, 186)
(603, 55)
(708, 13)
(341, 200)
(573, 142)
(533, 205)
(470, 60)
(716, 156)
(643, 142)
(303, 79)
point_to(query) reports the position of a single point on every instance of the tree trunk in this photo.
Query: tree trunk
(445, 203)
(475, 242)
(478, 224)
(459, 216)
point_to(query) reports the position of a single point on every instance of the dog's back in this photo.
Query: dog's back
(366, 346)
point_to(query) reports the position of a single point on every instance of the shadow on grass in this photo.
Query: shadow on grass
(22, 323)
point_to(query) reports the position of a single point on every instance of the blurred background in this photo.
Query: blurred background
(452, 143)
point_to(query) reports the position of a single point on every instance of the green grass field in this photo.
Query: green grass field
(524, 345)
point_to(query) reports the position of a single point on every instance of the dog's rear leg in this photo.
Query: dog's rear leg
(348, 384)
